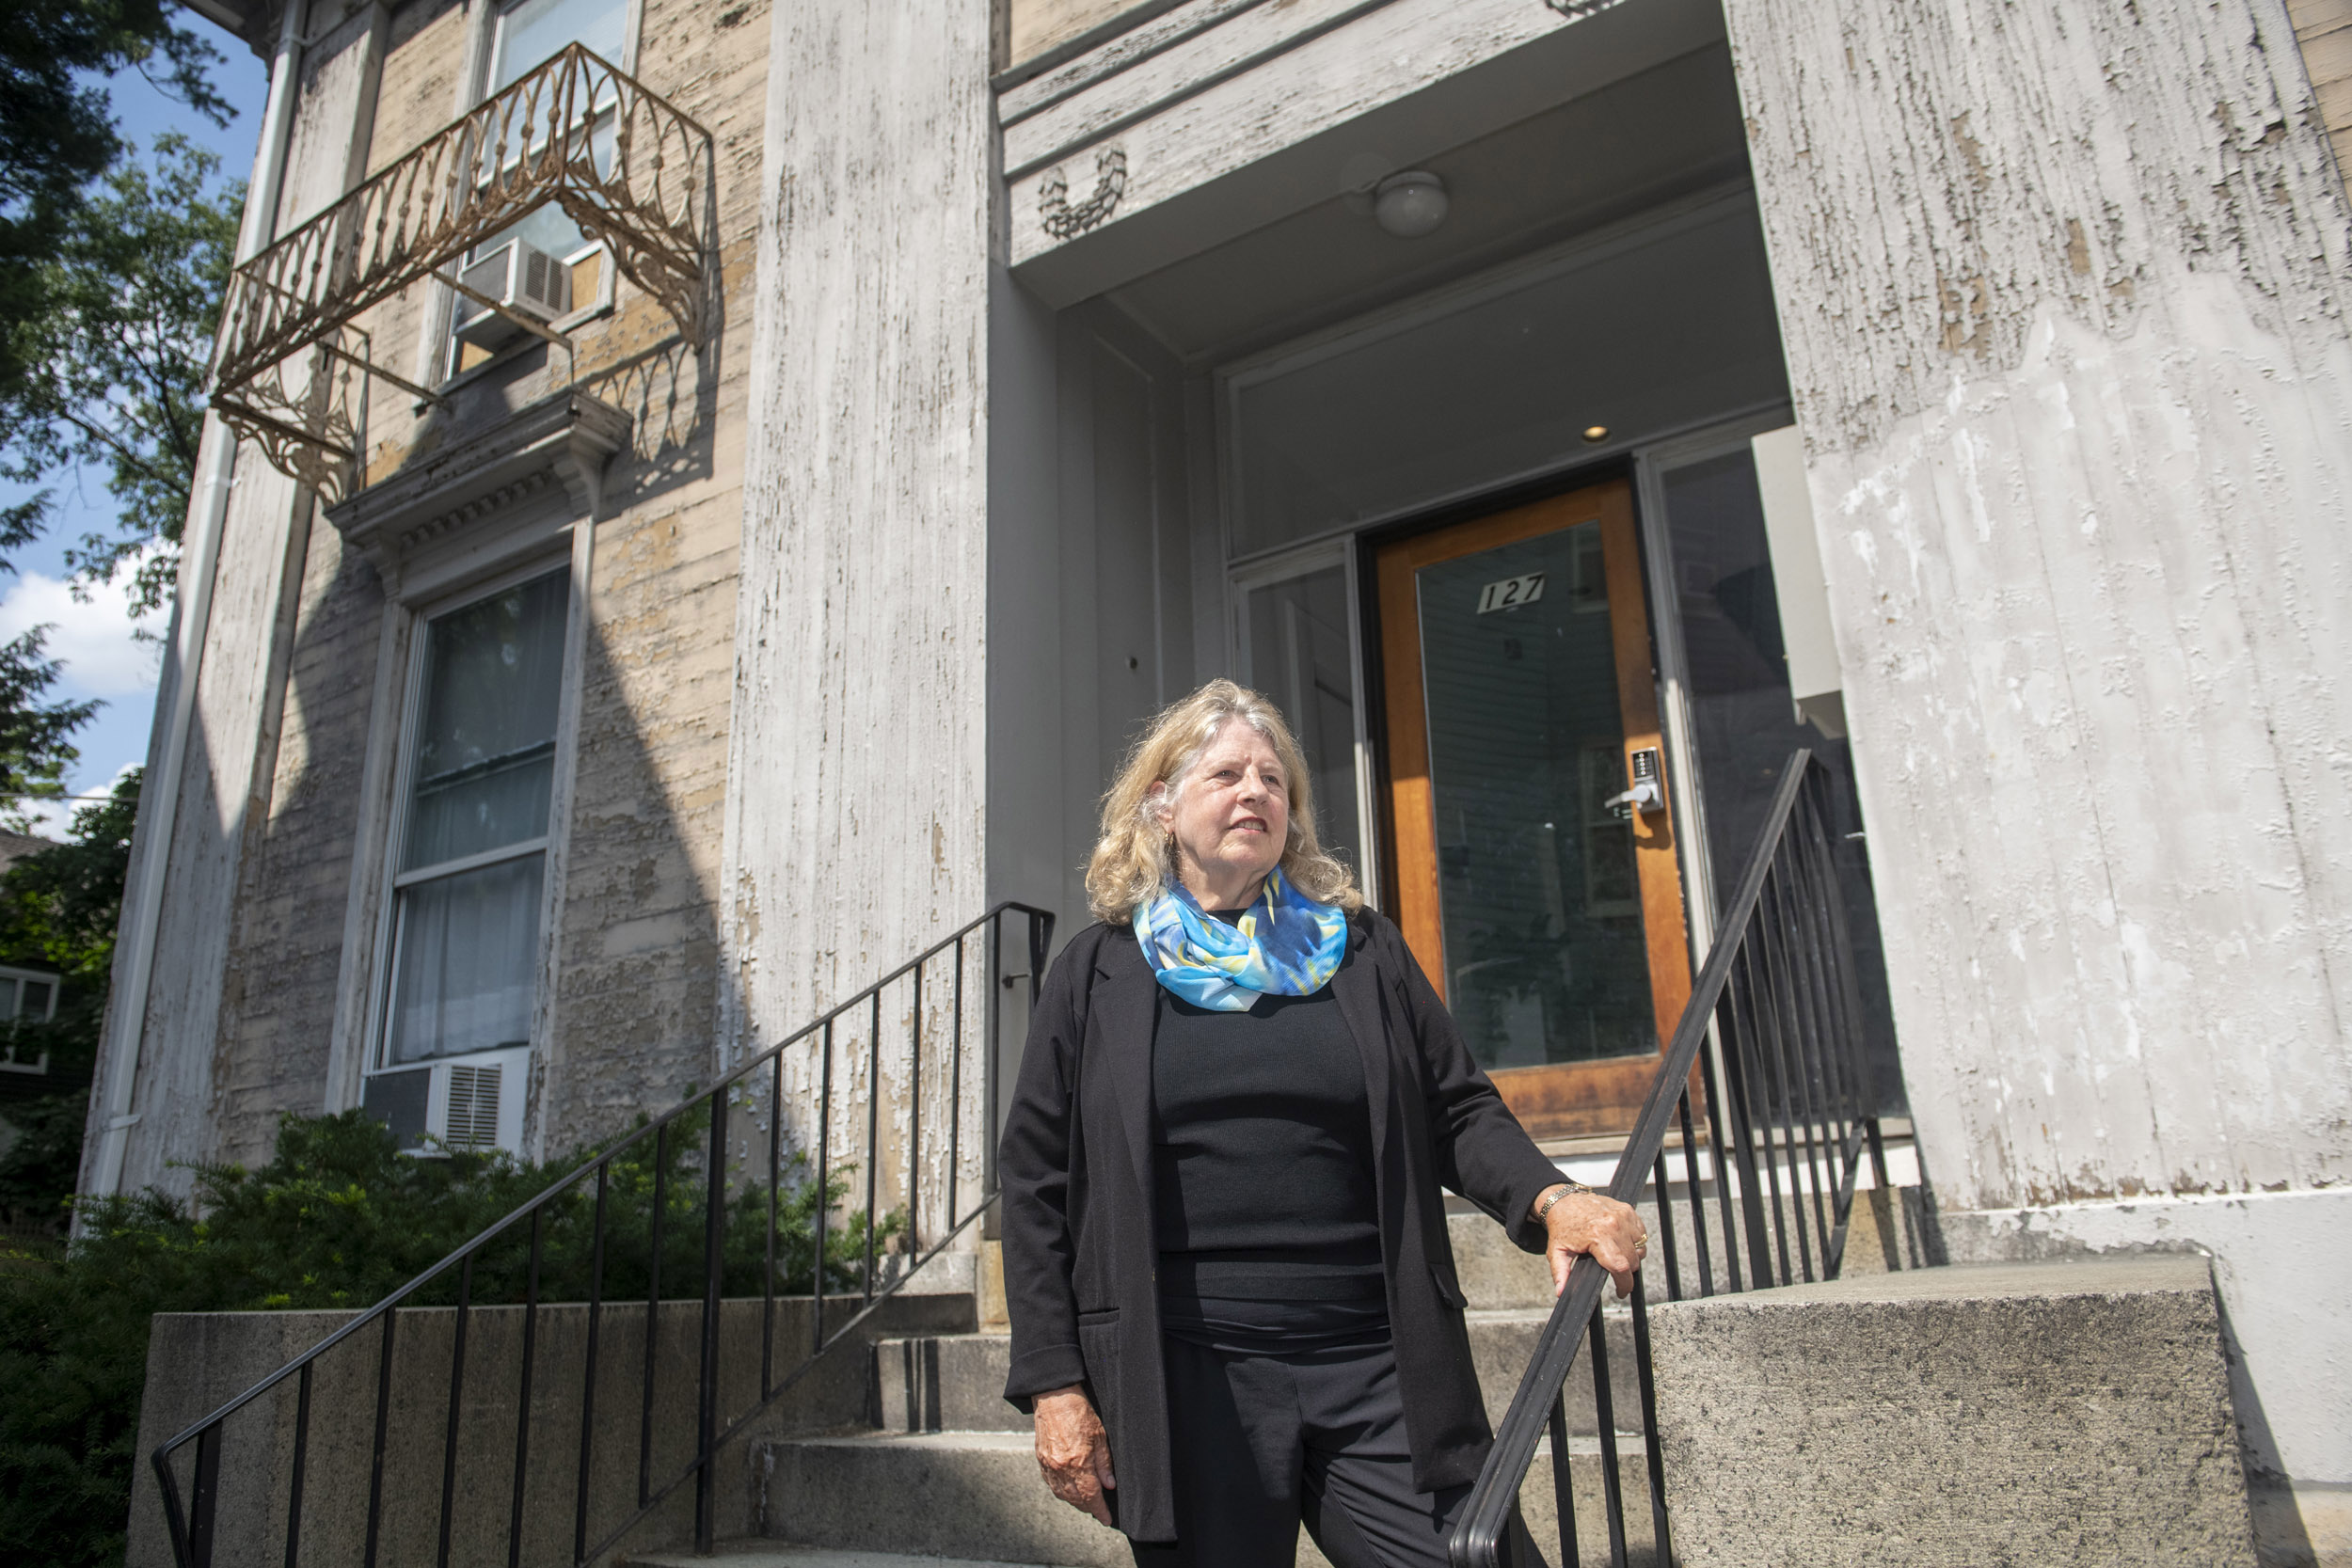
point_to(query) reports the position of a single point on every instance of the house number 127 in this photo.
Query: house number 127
(1510, 593)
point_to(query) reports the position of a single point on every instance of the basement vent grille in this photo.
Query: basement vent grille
(473, 1107)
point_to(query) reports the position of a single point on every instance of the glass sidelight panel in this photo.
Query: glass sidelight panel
(1742, 720)
(1299, 656)
(1545, 953)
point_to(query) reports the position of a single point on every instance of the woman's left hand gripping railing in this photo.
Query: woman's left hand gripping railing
(523, 1399)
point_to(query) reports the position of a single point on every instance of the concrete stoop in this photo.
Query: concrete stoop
(977, 1494)
(2057, 1416)
(1976, 1416)
(2303, 1527)
(950, 1473)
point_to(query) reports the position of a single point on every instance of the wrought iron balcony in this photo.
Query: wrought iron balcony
(292, 367)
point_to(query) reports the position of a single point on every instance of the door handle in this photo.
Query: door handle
(1645, 797)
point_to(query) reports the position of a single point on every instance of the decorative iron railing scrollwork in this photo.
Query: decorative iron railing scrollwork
(308, 412)
(629, 169)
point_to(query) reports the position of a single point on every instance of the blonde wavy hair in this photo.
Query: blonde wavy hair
(1133, 861)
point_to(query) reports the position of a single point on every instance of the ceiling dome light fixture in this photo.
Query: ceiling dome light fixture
(1596, 434)
(1410, 204)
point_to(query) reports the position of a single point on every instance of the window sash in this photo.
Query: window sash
(476, 988)
(474, 984)
(470, 863)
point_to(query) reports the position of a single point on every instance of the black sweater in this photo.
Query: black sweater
(1261, 1153)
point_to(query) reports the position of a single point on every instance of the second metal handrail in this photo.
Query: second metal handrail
(1772, 1047)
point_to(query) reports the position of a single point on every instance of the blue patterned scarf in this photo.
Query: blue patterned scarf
(1287, 944)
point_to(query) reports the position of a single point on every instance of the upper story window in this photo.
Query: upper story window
(544, 267)
(528, 33)
(470, 868)
(26, 996)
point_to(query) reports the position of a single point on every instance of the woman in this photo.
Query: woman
(1232, 1297)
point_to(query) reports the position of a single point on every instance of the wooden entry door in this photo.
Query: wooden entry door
(1521, 704)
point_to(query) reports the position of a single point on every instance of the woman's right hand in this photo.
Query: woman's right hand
(1073, 1451)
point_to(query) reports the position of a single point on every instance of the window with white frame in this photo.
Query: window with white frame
(26, 996)
(544, 266)
(470, 867)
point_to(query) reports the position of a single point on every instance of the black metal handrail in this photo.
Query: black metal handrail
(1785, 1091)
(195, 1522)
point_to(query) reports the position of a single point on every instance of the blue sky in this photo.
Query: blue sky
(102, 657)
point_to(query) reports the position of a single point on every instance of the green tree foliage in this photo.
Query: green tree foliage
(57, 132)
(59, 909)
(338, 1218)
(113, 363)
(34, 745)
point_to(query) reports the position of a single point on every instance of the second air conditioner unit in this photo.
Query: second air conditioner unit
(523, 280)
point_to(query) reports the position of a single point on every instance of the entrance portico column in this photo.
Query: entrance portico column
(2062, 289)
(855, 768)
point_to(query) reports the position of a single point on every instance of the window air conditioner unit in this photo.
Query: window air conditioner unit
(473, 1103)
(522, 278)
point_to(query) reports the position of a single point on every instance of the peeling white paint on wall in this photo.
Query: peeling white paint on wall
(231, 756)
(856, 769)
(2062, 290)
(2078, 405)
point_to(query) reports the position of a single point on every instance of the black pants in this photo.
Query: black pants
(1263, 1441)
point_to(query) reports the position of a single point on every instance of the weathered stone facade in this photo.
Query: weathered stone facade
(286, 948)
(947, 502)
(636, 960)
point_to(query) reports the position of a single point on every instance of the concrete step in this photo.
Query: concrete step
(944, 1382)
(1496, 1276)
(2072, 1413)
(783, 1554)
(955, 1383)
(978, 1497)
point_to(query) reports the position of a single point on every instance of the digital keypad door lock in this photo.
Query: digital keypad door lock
(1649, 793)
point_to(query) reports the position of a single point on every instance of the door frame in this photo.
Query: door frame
(1613, 1081)
(1263, 572)
(1651, 463)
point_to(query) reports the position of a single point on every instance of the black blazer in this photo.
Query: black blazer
(1076, 1168)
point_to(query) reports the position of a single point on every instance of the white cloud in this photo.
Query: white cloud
(96, 641)
(54, 819)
